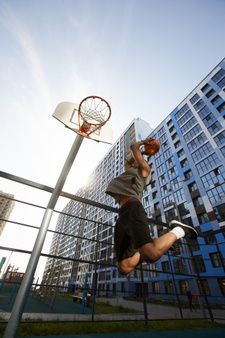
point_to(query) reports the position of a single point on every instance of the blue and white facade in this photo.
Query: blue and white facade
(189, 173)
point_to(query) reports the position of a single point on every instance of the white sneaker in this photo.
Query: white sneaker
(190, 232)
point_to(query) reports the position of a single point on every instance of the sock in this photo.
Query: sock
(178, 232)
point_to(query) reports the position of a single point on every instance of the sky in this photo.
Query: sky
(142, 56)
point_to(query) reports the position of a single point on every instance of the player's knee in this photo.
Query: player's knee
(151, 252)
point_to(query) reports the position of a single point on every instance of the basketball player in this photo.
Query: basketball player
(133, 243)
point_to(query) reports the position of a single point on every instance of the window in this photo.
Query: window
(210, 93)
(208, 163)
(169, 123)
(168, 287)
(198, 264)
(182, 111)
(165, 267)
(184, 163)
(214, 128)
(221, 107)
(188, 174)
(220, 139)
(188, 125)
(205, 88)
(216, 99)
(194, 98)
(197, 141)
(209, 237)
(194, 245)
(221, 83)
(177, 144)
(219, 75)
(181, 153)
(202, 152)
(200, 104)
(184, 286)
(192, 187)
(155, 287)
(204, 286)
(215, 259)
(174, 136)
(197, 201)
(156, 206)
(179, 265)
(192, 133)
(220, 213)
(209, 119)
(184, 118)
(203, 218)
(204, 112)
(221, 282)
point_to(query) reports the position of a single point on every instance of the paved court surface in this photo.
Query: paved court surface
(200, 333)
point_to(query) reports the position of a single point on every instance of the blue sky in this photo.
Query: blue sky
(143, 56)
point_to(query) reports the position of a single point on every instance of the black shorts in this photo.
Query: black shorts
(131, 230)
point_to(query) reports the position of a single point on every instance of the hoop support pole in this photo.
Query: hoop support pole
(24, 289)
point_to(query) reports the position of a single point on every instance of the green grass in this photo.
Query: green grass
(38, 329)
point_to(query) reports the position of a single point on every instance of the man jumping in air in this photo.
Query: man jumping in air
(133, 242)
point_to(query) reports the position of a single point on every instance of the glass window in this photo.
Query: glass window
(181, 153)
(192, 133)
(210, 93)
(220, 139)
(205, 88)
(165, 267)
(198, 264)
(209, 237)
(182, 111)
(204, 112)
(214, 128)
(204, 286)
(200, 104)
(209, 119)
(179, 265)
(202, 152)
(197, 141)
(221, 107)
(194, 245)
(219, 75)
(155, 287)
(208, 163)
(215, 259)
(189, 124)
(188, 174)
(221, 83)
(203, 218)
(221, 282)
(195, 98)
(197, 201)
(168, 287)
(220, 213)
(216, 99)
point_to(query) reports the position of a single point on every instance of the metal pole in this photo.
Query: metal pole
(144, 296)
(20, 301)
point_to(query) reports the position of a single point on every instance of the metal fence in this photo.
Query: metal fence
(102, 294)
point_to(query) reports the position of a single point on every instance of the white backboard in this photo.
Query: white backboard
(67, 113)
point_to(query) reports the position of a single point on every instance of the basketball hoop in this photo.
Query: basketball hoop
(93, 113)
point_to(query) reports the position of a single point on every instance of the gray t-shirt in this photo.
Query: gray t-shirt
(131, 183)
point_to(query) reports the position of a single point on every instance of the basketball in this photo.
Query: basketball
(151, 147)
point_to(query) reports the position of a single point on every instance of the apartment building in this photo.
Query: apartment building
(6, 207)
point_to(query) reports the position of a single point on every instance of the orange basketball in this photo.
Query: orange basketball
(151, 147)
